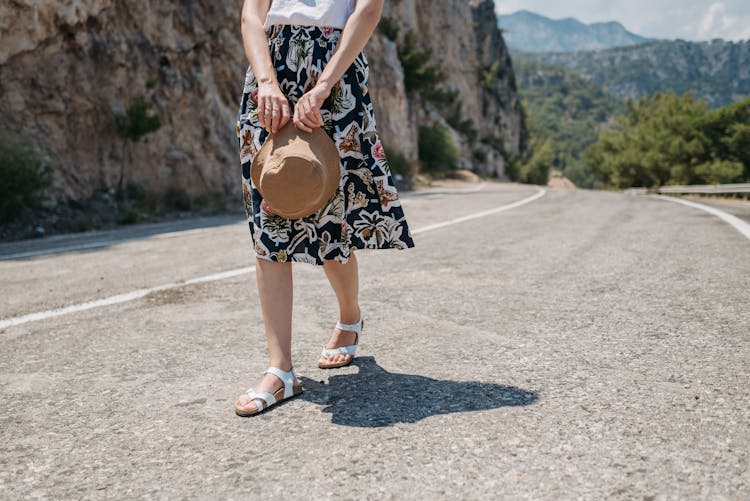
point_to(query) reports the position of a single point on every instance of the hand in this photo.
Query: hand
(307, 110)
(273, 107)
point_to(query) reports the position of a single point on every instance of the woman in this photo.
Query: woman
(307, 65)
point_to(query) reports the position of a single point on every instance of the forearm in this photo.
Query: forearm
(357, 30)
(255, 40)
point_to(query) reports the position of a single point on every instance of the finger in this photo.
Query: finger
(308, 117)
(306, 108)
(268, 113)
(285, 110)
(301, 126)
(308, 121)
(275, 116)
(298, 112)
(282, 112)
(312, 113)
(261, 112)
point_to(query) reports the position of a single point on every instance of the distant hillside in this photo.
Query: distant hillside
(718, 71)
(566, 112)
(532, 32)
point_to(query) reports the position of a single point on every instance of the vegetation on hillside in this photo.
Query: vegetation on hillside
(137, 121)
(670, 139)
(715, 70)
(24, 174)
(565, 115)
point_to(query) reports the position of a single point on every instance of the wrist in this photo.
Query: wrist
(267, 80)
(324, 85)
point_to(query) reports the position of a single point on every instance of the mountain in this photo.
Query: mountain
(532, 32)
(717, 70)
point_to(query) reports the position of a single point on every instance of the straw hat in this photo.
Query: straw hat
(296, 171)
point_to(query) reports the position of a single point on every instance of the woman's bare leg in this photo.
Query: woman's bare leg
(344, 279)
(276, 293)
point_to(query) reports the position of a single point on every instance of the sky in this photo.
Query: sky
(686, 19)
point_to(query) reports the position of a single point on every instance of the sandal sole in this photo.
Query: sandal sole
(337, 366)
(279, 401)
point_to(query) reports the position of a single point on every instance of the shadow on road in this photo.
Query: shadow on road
(375, 397)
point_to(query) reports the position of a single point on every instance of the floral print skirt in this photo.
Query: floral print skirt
(365, 211)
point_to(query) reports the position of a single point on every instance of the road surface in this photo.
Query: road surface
(583, 344)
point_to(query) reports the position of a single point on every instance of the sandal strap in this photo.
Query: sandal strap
(262, 399)
(286, 377)
(342, 350)
(345, 350)
(356, 327)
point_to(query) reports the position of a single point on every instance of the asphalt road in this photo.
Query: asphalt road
(737, 207)
(583, 345)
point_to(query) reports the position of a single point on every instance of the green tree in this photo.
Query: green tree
(536, 170)
(670, 139)
(138, 120)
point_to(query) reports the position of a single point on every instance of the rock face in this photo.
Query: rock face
(67, 66)
(467, 45)
(86, 60)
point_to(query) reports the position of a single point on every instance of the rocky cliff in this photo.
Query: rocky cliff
(68, 66)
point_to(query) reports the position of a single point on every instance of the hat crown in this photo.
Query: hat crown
(296, 171)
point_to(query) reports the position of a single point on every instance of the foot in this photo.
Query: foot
(338, 339)
(269, 382)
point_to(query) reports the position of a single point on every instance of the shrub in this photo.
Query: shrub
(419, 75)
(399, 164)
(388, 27)
(488, 74)
(536, 170)
(178, 199)
(23, 174)
(466, 127)
(512, 162)
(138, 120)
(437, 151)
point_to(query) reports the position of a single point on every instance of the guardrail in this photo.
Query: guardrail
(706, 189)
(740, 190)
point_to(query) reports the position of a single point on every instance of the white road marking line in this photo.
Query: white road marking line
(502, 208)
(429, 196)
(119, 298)
(139, 293)
(64, 248)
(194, 231)
(104, 243)
(736, 222)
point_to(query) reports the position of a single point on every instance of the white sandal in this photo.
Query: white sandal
(263, 399)
(343, 350)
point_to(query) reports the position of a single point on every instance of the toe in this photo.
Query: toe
(244, 403)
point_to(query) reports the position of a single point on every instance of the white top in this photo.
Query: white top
(309, 12)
